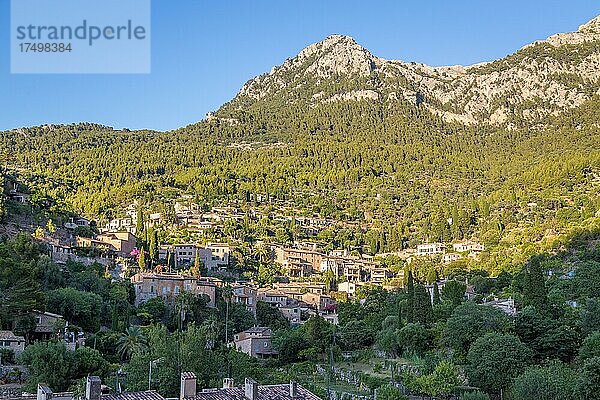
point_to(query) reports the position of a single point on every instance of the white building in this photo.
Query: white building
(213, 256)
(451, 257)
(347, 287)
(118, 224)
(506, 305)
(468, 245)
(428, 249)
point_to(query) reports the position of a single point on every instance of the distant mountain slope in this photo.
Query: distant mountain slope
(398, 149)
(542, 78)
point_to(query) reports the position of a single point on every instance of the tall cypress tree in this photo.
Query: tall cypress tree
(535, 293)
(142, 259)
(197, 270)
(410, 291)
(423, 311)
(436, 293)
(173, 261)
(139, 227)
(153, 247)
(169, 260)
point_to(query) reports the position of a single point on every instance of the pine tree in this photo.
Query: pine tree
(432, 276)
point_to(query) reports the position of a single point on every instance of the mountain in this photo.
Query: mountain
(540, 79)
(508, 150)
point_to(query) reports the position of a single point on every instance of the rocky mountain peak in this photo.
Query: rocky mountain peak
(589, 31)
(542, 78)
(337, 55)
(592, 26)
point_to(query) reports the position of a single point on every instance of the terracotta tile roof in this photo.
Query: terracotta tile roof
(8, 335)
(49, 314)
(265, 392)
(19, 397)
(257, 329)
(146, 395)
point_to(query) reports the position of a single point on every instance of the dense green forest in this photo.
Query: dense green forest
(400, 170)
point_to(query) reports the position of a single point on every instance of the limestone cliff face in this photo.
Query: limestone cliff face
(336, 55)
(542, 78)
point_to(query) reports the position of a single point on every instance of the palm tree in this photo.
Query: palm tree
(211, 327)
(264, 253)
(131, 341)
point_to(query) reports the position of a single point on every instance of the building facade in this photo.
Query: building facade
(429, 249)
(167, 286)
(10, 341)
(256, 342)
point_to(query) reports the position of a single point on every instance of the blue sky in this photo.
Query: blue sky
(203, 51)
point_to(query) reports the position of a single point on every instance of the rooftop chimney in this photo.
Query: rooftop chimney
(251, 389)
(188, 385)
(227, 383)
(43, 392)
(293, 389)
(93, 387)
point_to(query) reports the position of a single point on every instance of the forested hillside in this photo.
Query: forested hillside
(325, 131)
(383, 156)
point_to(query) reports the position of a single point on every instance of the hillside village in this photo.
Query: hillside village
(311, 279)
(346, 228)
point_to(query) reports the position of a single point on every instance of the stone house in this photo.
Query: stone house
(10, 341)
(168, 286)
(256, 342)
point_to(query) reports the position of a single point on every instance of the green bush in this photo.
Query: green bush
(475, 396)
(389, 392)
(7, 356)
(555, 381)
(377, 367)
